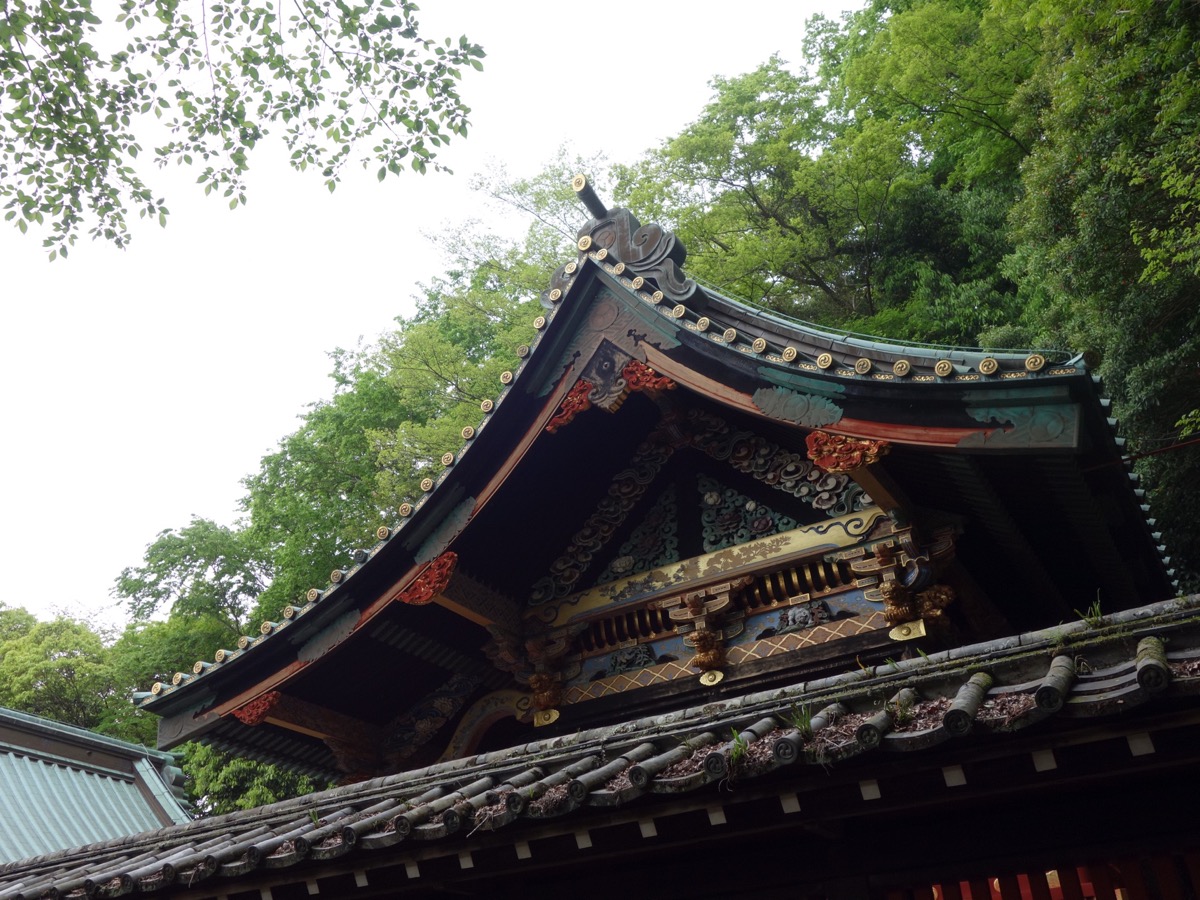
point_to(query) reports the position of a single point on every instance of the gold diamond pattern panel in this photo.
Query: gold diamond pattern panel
(797, 640)
(629, 681)
(783, 643)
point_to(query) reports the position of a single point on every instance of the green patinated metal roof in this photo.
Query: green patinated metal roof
(62, 786)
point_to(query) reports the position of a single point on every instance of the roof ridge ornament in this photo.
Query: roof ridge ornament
(648, 251)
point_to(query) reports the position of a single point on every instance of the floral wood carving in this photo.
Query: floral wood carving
(640, 377)
(623, 494)
(408, 733)
(431, 582)
(256, 711)
(573, 404)
(744, 451)
(837, 453)
(603, 387)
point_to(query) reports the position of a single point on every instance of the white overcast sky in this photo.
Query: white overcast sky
(140, 386)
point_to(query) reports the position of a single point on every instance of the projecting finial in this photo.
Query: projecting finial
(588, 196)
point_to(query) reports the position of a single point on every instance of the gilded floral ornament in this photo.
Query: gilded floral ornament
(837, 453)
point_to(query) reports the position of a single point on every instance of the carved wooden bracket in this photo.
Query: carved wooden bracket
(546, 689)
(903, 605)
(431, 582)
(505, 650)
(705, 613)
(257, 710)
(609, 378)
(640, 377)
(905, 572)
(837, 453)
(573, 404)
(526, 656)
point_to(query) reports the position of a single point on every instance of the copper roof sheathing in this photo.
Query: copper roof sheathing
(62, 786)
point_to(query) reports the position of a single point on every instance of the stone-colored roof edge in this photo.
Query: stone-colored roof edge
(608, 742)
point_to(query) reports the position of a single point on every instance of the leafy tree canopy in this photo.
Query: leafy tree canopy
(81, 96)
(203, 570)
(59, 670)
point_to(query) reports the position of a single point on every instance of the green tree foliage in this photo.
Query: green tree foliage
(204, 570)
(1107, 229)
(59, 670)
(982, 172)
(15, 622)
(205, 83)
(313, 500)
(819, 196)
(220, 782)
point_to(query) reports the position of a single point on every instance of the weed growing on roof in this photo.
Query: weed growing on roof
(801, 719)
(737, 749)
(901, 713)
(1092, 615)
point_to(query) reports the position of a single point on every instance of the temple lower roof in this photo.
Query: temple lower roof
(1131, 678)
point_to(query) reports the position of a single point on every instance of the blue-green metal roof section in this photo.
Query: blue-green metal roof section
(62, 786)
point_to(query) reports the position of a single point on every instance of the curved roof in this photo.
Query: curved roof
(1022, 439)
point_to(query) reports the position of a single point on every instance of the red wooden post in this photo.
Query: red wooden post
(1102, 883)
(1039, 887)
(1130, 872)
(1009, 888)
(1167, 876)
(1193, 866)
(1068, 880)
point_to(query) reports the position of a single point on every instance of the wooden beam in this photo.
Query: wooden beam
(479, 603)
(298, 715)
(886, 494)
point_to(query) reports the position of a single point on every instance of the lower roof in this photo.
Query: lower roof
(1132, 676)
(62, 786)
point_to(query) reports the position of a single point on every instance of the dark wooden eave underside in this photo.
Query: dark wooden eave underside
(491, 477)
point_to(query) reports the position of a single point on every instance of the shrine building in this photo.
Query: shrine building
(713, 603)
